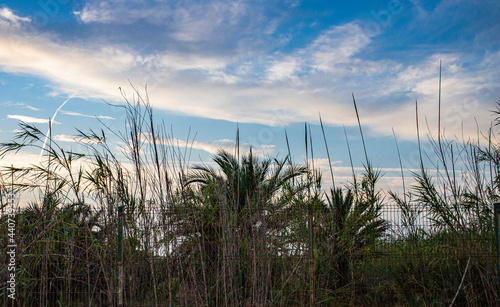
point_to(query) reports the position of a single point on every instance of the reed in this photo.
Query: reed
(243, 230)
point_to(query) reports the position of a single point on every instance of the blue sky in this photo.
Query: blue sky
(268, 66)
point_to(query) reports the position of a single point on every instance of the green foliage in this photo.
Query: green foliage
(250, 231)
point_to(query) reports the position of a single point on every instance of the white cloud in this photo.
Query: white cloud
(329, 52)
(84, 115)
(225, 144)
(212, 147)
(337, 46)
(7, 16)
(70, 67)
(174, 62)
(187, 21)
(390, 179)
(284, 69)
(31, 108)
(74, 139)
(115, 12)
(29, 119)
(461, 105)
(21, 104)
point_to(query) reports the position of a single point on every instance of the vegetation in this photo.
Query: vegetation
(247, 231)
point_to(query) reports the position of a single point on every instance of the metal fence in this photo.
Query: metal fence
(74, 263)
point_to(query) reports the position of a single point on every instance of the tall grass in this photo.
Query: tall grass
(246, 230)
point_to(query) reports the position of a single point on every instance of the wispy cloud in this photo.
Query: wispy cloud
(29, 119)
(343, 175)
(28, 87)
(74, 139)
(85, 115)
(31, 108)
(8, 17)
(110, 12)
(187, 21)
(21, 104)
(225, 144)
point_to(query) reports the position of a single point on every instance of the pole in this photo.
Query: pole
(121, 276)
(496, 208)
(311, 256)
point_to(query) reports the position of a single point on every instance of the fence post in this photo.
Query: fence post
(496, 207)
(311, 255)
(121, 276)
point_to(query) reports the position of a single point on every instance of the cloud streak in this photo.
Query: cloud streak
(74, 139)
(21, 104)
(29, 119)
(85, 115)
(225, 144)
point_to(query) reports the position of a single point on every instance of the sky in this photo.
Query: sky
(266, 67)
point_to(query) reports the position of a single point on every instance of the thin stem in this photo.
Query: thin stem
(327, 151)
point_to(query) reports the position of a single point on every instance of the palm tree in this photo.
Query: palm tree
(230, 207)
(252, 180)
(351, 223)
